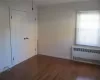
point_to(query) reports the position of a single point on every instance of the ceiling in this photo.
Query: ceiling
(48, 2)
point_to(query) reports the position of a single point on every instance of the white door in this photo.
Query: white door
(23, 35)
(5, 48)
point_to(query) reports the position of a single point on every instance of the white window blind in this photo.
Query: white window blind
(88, 28)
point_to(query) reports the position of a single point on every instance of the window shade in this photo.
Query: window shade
(88, 28)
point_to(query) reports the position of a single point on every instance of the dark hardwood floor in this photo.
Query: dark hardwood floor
(49, 68)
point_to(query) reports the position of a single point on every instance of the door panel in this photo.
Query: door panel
(23, 35)
(5, 48)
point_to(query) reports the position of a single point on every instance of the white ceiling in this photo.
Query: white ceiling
(48, 2)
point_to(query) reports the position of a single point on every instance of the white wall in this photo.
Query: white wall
(21, 5)
(5, 47)
(57, 27)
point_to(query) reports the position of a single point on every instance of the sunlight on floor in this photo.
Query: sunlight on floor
(84, 78)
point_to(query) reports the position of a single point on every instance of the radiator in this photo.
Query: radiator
(86, 54)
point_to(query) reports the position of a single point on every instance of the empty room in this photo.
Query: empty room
(49, 39)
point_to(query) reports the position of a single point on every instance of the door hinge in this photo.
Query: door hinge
(35, 49)
(32, 8)
(11, 17)
(13, 59)
(35, 19)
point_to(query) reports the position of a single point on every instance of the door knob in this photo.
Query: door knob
(26, 38)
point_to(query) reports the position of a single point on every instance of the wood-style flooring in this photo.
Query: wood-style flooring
(42, 67)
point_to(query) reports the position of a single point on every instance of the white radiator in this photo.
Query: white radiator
(86, 54)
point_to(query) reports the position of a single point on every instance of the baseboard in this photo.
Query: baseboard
(55, 56)
(6, 68)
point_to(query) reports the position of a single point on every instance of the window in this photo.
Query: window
(88, 28)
